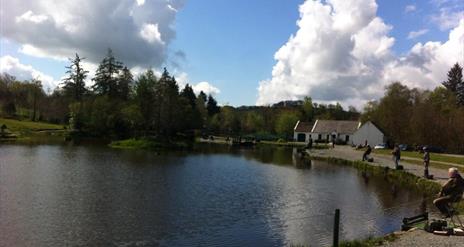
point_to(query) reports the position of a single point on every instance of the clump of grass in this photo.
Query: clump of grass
(369, 242)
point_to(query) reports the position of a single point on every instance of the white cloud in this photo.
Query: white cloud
(447, 18)
(150, 33)
(409, 8)
(337, 55)
(29, 16)
(415, 34)
(206, 87)
(449, 13)
(58, 29)
(13, 66)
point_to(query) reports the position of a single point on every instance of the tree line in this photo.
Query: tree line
(422, 117)
(118, 105)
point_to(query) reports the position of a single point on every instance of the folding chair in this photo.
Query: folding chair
(453, 215)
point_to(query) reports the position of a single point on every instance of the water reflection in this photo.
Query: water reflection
(91, 195)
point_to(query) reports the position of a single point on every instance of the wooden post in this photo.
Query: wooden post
(336, 227)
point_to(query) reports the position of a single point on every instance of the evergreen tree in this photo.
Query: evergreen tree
(460, 93)
(454, 78)
(211, 106)
(167, 94)
(188, 94)
(145, 98)
(125, 82)
(202, 96)
(74, 84)
(107, 76)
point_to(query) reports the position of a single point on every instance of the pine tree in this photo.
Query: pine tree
(107, 76)
(212, 106)
(188, 94)
(125, 82)
(460, 93)
(454, 78)
(74, 84)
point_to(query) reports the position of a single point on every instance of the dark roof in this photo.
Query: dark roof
(329, 126)
(304, 126)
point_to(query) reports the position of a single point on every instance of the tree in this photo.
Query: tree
(211, 106)
(125, 82)
(308, 109)
(107, 76)
(188, 94)
(74, 84)
(167, 95)
(37, 92)
(285, 123)
(454, 78)
(146, 99)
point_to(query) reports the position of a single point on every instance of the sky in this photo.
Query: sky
(244, 52)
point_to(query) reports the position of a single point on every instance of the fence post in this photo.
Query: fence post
(336, 227)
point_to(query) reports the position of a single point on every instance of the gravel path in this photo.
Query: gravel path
(422, 238)
(411, 238)
(347, 152)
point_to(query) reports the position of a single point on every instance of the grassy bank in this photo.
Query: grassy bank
(26, 131)
(26, 126)
(433, 156)
(426, 187)
(149, 144)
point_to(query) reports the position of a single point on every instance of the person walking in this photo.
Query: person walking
(426, 162)
(310, 142)
(367, 153)
(396, 156)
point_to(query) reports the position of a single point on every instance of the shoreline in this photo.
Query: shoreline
(408, 177)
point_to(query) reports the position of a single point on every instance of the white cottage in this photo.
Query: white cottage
(324, 130)
(369, 133)
(302, 131)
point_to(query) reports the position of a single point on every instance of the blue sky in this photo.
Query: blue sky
(231, 44)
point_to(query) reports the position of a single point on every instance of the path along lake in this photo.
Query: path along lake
(63, 195)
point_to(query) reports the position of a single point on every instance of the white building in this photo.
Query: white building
(324, 130)
(302, 131)
(369, 133)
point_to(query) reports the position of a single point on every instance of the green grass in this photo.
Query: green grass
(369, 242)
(26, 126)
(417, 155)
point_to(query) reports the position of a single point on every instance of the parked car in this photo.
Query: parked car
(405, 147)
(380, 146)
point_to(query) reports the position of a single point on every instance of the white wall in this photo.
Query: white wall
(370, 133)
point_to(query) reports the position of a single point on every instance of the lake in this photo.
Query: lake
(61, 195)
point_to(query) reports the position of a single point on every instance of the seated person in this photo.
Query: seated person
(451, 191)
(367, 152)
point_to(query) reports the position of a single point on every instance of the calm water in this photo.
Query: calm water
(87, 195)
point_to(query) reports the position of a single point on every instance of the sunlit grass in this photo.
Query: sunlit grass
(21, 126)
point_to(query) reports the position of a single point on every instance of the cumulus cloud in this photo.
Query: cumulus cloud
(342, 52)
(138, 31)
(418, 33)
(13, 66)
(206, 87)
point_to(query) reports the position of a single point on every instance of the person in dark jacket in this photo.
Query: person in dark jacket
(396, 155)
(451, 191)
(367, 153)
(426, 162)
